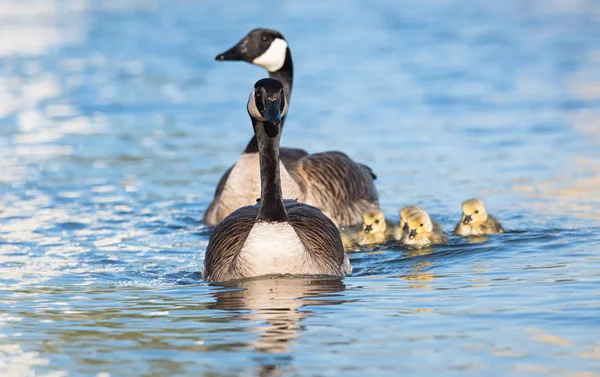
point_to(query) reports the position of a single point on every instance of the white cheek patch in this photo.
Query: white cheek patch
(274, 57)
(285, 107)
(253, 110)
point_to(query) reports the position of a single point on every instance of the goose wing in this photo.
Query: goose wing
(321, 238)
(289, 156)
(333, 181)
(225, 244)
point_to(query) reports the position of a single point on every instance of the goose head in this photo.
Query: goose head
(418, 222)
(474, 211)
(263, 47)
(267, 103)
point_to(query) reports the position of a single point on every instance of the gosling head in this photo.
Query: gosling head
(374, 221)
(404, 212)
(418, 222)
(474, 211)
(267, 102)
(262, 47)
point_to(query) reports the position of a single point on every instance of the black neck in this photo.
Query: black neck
(271, 198)
(285, 75)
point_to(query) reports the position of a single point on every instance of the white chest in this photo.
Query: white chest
(274, 248)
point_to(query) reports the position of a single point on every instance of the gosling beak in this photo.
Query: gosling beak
(467, 219)
(234, 53)
(412, 234)
(272, 111)
(368, 228)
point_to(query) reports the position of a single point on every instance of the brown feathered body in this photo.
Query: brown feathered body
(319, 252)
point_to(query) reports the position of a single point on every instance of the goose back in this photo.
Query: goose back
(333, 181)
(220, 207)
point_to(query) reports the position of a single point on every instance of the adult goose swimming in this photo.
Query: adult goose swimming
(330, 180)
(273, 236)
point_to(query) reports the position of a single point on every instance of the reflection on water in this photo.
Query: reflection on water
(116, 123)
(276, 304)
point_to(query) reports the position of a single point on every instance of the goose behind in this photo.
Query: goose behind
(274, 236)
(330, 180)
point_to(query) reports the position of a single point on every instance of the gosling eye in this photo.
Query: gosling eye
(405, 227)
(476, 211)
(376, 221)
(421, 224)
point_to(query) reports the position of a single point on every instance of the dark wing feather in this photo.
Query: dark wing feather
(332, 181)
(321, 238)
(369, 170)
(226, 242)
(289, 156)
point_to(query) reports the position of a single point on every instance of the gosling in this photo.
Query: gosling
(420, 231)
(376, 228)
(475, 220)
(402, 227)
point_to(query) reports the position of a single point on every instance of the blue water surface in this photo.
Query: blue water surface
(116, 124)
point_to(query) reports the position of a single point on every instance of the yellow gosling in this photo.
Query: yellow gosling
(475, 220)
(422, 232)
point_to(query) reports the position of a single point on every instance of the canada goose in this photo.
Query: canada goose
(475, 220)
(422, 231)
(273, 236)
(403, 227)
(329, 180)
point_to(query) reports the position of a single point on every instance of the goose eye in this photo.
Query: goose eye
(264, 39)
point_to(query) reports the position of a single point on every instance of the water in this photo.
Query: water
(116, 123)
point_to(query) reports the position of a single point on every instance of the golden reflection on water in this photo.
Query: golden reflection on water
(276, 303)
(417, 277)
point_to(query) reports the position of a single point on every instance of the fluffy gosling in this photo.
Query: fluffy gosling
(475, 220)
(402, 227)
(420, 231)
(376, 228)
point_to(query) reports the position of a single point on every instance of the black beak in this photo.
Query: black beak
(467, 219)
(272, 111)
(234, 53)
(412, 234)
(368, 228)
